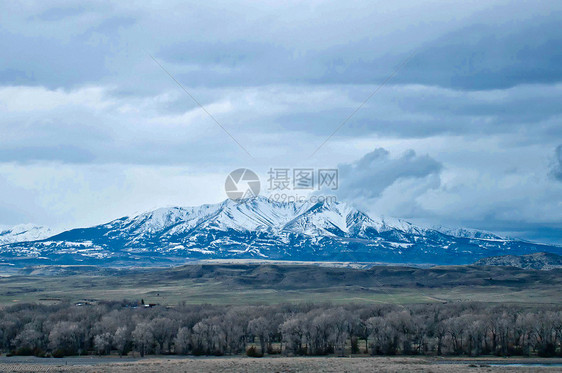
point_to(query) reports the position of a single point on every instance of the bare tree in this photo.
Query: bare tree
(182, 342)
(121, 339)
(163, 330)
(66, 337)
(102, 343)
(262, 329)
(143, 338)
(29, 340)
(312, 329)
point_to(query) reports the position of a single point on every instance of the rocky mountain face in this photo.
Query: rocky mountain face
(261, 229)
(541, 261)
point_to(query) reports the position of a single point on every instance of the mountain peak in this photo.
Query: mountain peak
(23, 232)
(264, 229)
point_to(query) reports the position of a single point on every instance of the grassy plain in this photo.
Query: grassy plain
(267, 284)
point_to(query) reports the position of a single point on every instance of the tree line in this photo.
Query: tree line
(126, 327)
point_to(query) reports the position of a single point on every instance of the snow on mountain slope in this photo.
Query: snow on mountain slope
(467, 233)
(260, 228)
(23, 232)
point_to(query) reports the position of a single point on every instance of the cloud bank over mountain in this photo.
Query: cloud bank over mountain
(93, 129)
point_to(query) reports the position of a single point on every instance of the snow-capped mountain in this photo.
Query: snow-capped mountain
(23, 232)
(261, 229)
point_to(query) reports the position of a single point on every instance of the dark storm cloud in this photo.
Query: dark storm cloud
(368, 177)
(499, 47)
(556, 170)
(474, 57)
(483, 57)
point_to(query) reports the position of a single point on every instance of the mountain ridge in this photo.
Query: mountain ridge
(541, 261)
(260, 229)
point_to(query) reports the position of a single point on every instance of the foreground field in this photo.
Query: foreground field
(270, 284)
(298, 364)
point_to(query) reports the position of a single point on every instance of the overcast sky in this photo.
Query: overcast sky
(467, 133)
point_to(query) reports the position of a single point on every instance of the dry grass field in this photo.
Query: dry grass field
(271, 284)
(281, 365)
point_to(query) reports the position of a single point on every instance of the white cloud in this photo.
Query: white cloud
(67, 196)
